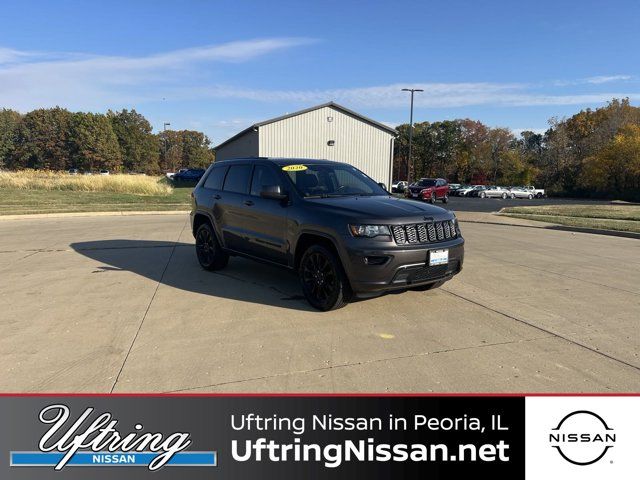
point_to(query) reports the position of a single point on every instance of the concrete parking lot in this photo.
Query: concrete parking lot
(119, 303)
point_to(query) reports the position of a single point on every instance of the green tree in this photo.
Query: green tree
(95, 145)
(184, 149)
(9, 124)
(614, 171)
(43, 140)
(138, 146)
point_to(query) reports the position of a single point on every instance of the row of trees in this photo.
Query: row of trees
(58, 139)
(593, 153)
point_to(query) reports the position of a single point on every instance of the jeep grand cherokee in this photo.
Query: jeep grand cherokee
(341, 231)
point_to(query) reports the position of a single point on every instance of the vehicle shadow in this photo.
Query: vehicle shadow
(174, 264)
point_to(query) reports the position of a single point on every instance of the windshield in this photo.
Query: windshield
(331, 180)
(426, 182)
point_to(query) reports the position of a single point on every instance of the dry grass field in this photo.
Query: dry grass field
(48, 180)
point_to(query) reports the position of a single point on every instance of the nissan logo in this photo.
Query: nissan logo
(582, 437)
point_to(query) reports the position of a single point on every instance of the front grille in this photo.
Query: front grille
(416, 233)
(432, 273)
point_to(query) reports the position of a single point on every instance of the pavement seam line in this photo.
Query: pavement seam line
(542, 329)
(144, 317)
(365, 362)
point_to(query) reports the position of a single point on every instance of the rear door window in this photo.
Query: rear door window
(237, 179)
(216, 178)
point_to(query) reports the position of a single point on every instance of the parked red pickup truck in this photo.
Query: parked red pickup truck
(430, 189)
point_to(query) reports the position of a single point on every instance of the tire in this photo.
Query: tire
(504, 196)
(433, 198)
(427, 287)
(513, 196)
(483, 195)
(445, 199)
(530, 197)
(210, 254)
(324, 283)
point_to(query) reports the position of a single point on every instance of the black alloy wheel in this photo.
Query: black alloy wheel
(323, 281)
(210, 255)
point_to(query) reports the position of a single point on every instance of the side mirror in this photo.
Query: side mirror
(383, 186)
(273, 192)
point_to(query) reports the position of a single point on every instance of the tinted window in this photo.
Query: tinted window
(319, 180)
(262, 177)
(215, 178)
(426, 182)
(238, 179)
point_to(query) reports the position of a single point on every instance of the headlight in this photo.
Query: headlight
(369, 230)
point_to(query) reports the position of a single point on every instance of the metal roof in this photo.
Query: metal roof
(334, 105)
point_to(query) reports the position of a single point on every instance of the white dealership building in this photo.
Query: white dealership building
(328, 131)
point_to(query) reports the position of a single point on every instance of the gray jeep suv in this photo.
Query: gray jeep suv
(341, 231)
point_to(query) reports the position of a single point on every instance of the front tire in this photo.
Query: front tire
(504, 196)
(483, 195)
(445, 199)
(530, 197)
(210, 254)
(324, 283)
(433, 198)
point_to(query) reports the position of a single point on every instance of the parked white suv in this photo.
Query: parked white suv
(537, 192)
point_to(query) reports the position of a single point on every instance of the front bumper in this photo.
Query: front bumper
(403, 266)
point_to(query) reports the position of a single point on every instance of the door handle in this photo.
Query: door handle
(217, 196)
(248, 203)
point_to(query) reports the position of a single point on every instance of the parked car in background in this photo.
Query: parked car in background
(73, 171)
(430, 189)
(104, 172)
(188, 176)
(399, 186)
(537, 192)
(464, 190)
(520, 192)
(477, 191)
(453, 188)
(496, 192)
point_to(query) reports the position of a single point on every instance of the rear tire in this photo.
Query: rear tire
(210, 254)
(433, 198)
(324, 283)
(504, 196)
(445, 199)
(530, 197)
(483, 195)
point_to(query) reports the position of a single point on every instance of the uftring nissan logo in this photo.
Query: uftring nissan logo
(582, 437)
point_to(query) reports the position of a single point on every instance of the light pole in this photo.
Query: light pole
(164, 129)
(409, 160)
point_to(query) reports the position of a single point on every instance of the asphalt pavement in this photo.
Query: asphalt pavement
(119, 304)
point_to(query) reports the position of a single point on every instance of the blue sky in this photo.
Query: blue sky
(219, 66)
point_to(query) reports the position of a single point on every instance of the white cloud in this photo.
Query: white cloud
(607, 78)
(597, 80)
(435, 95)
(32, 79)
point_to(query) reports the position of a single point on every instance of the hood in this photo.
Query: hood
(417, 188)
(381, 208)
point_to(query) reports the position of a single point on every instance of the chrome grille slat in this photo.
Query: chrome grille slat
(432, 232)
(417, 233)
